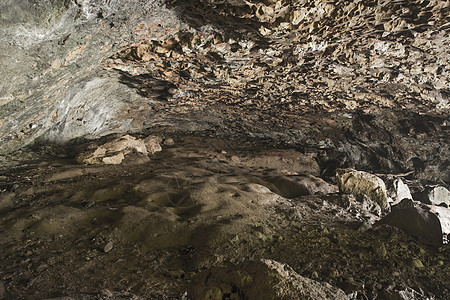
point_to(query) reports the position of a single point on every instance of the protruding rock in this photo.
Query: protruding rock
(397, 190)
(265, 279)
(433, 195)
(362, 184)
(439, 195)
(443, 213)
(415, 221)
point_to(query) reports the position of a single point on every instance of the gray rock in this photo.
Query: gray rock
(439, 195)
(397, 190)
(415, 221)
(265, 279)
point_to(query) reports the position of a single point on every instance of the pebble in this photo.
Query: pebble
(418, 263)
(108, 247)
(107, 293)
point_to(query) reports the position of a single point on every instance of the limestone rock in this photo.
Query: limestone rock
(113, 160)
(397, 190)
(362, 184)
(443, 213)
(114, 152)
(265, 279)
(415, 221)
(153, 144)
(439, 195)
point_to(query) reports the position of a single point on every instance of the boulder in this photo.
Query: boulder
(153, 144)
(363, 186)
(264, 279)
(439, 195)
(443, 213)
(415, 221)
(397, 190)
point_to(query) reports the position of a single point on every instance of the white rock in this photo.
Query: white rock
(398, 191)
(443, 214)
(439, 195)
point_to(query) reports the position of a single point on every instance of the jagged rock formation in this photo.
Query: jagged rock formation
(372, 75)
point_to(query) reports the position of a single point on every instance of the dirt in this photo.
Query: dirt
(144, 231)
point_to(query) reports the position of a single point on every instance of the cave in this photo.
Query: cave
(224, 149)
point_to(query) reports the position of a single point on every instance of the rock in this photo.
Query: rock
(107, 293)
(418, 263)
(362, 184)
(439, 195)
(153, 144)
(108, 247)
(443, 213)
(265, 279)
(416, 222)
(402, 294)
(114, 152)
(316, 185)
(288, 161)
(370, 206)
(397, 190)
(113, 160)
(433, 195)
(6, 199)
(126, 142)
(169, 142)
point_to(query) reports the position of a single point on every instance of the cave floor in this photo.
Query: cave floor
(145, 228)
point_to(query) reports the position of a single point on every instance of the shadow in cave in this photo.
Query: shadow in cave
(232, 19)
(147, 86)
